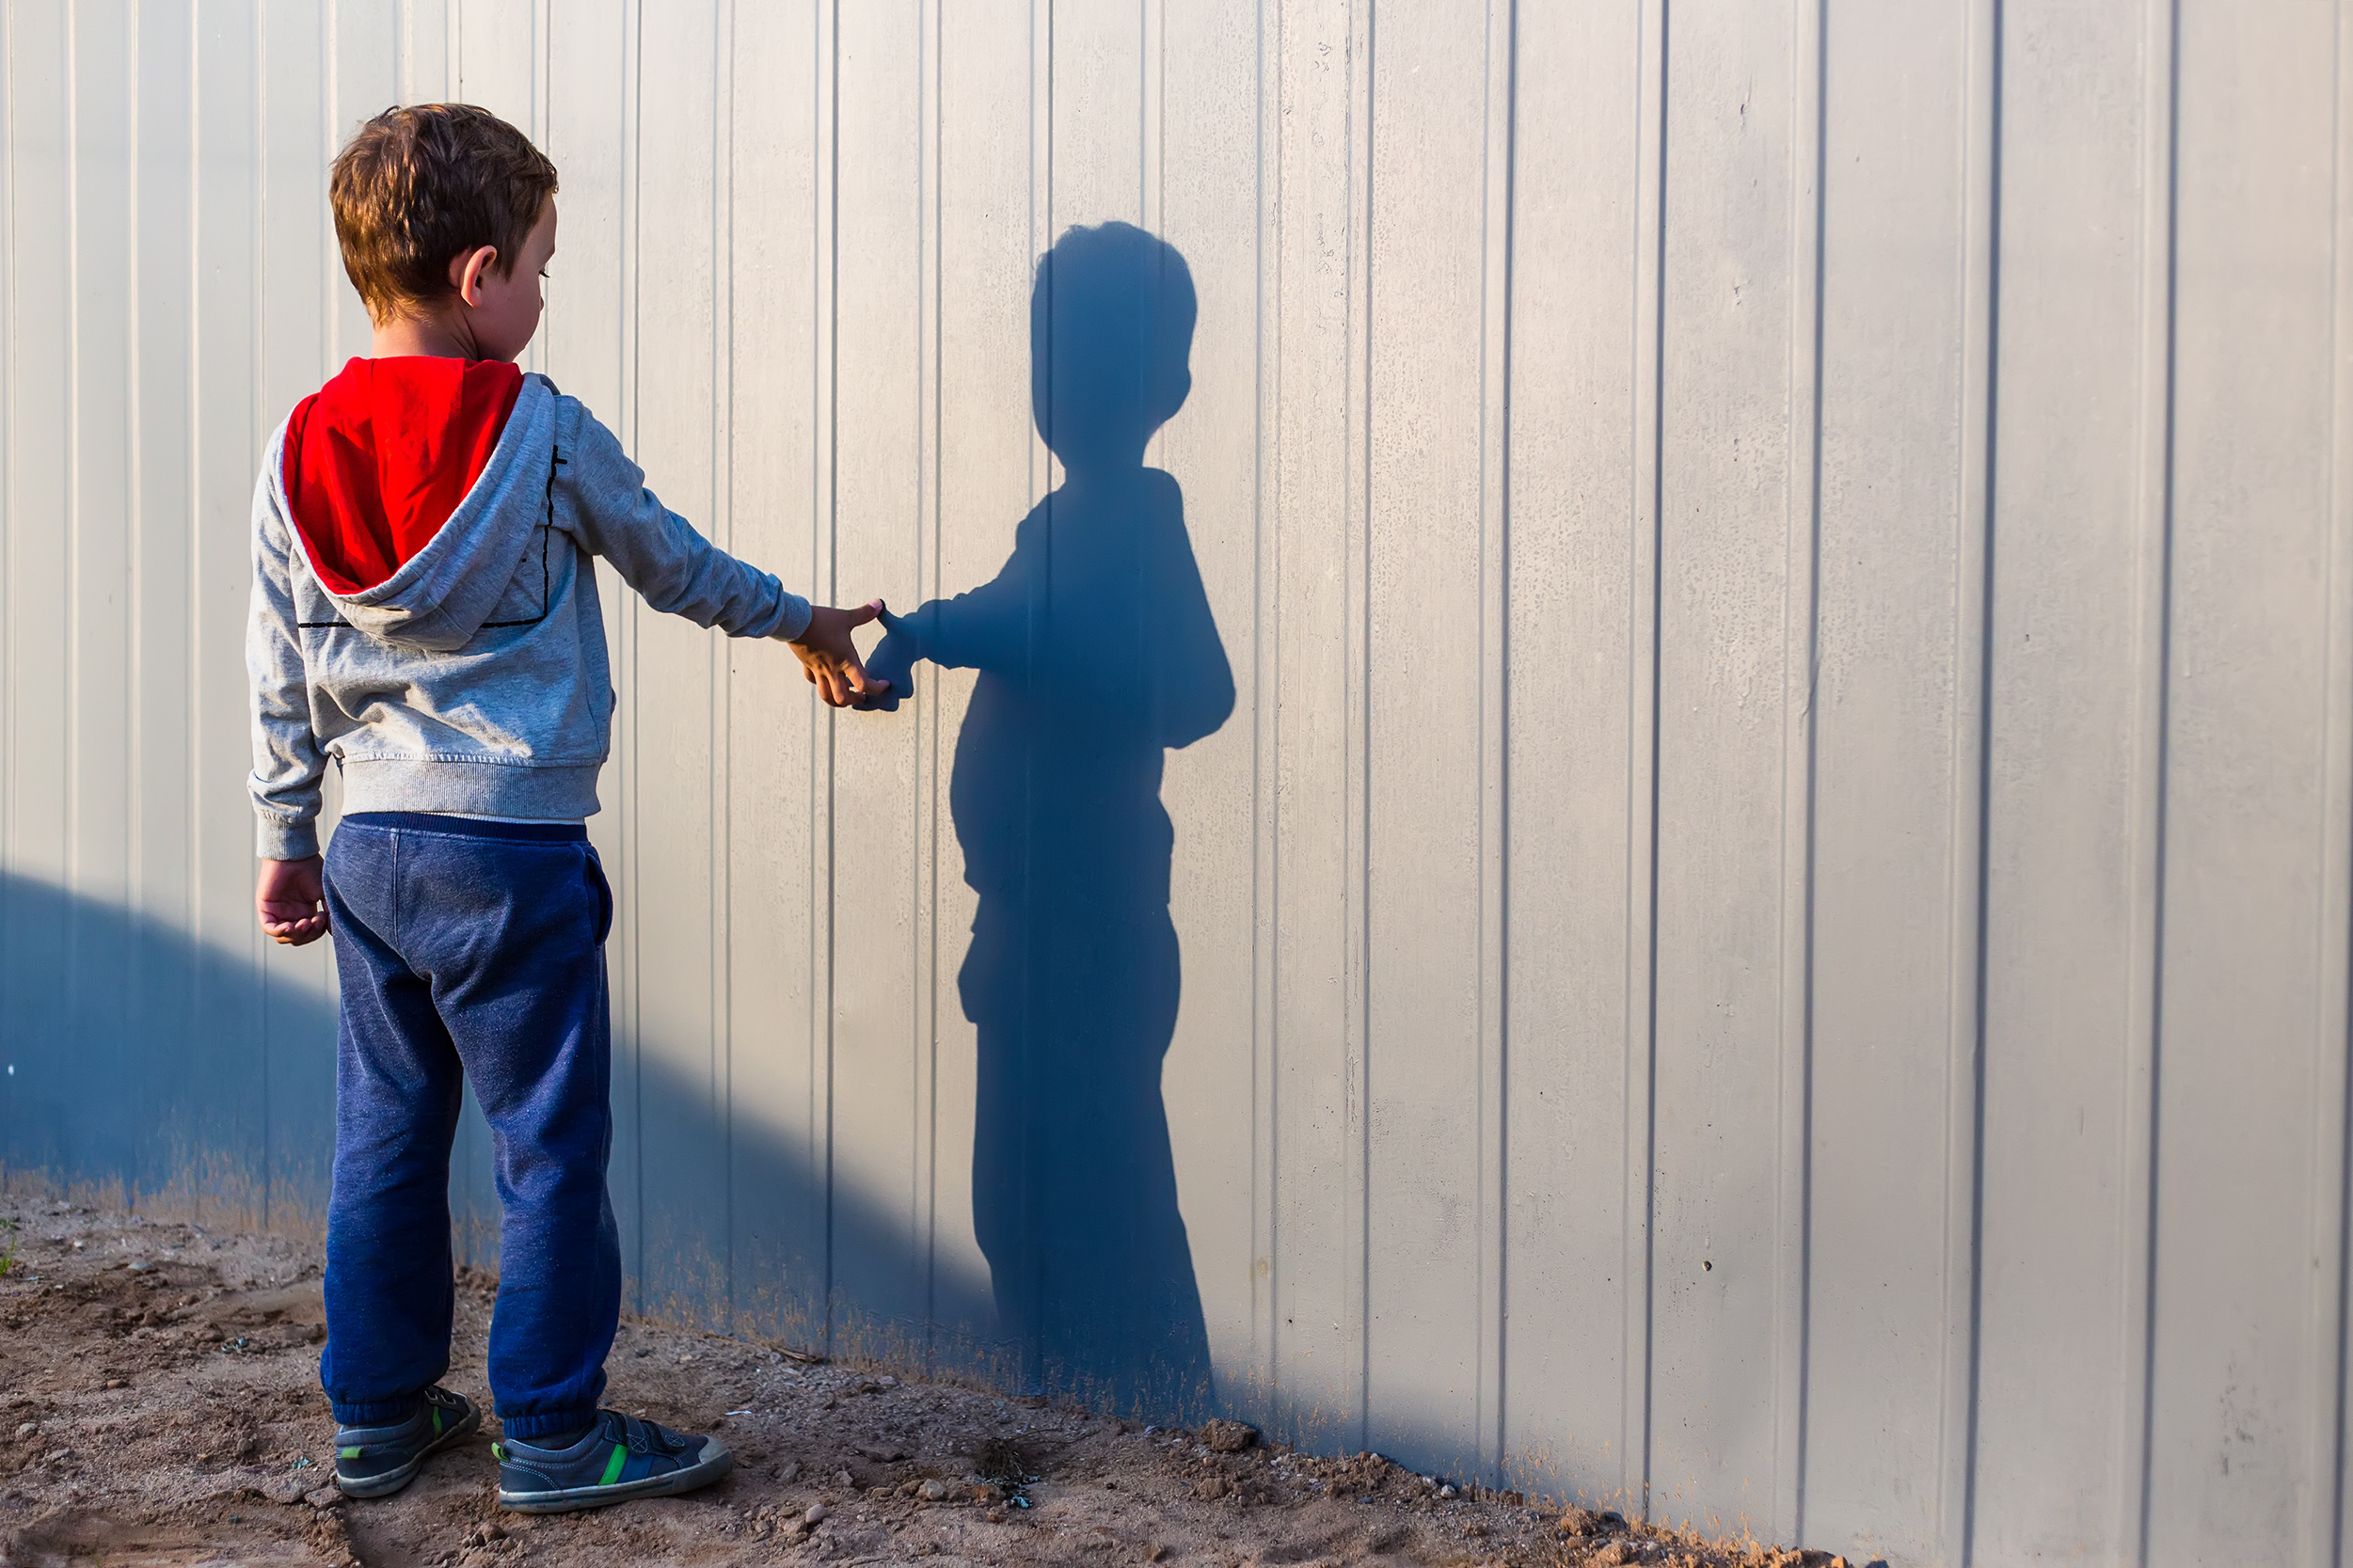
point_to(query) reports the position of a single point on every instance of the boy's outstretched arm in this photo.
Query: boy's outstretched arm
(681, 573)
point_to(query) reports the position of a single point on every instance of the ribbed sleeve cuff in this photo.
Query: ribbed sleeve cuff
(285, 841)
(796, 615)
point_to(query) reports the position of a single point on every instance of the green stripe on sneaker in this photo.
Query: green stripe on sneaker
(612, 1465)
(437, 1420)
(347, 1453)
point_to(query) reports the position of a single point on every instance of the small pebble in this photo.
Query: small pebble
(933, 1491)
(817, 1514)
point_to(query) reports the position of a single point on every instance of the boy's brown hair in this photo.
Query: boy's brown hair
(420, 184)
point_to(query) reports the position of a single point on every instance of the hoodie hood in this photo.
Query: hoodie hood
(414, 485)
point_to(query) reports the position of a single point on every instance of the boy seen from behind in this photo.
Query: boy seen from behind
(425, 616)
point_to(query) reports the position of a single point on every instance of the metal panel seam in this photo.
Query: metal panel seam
(1965, 1073)
(1650, 441)
(2161, 310)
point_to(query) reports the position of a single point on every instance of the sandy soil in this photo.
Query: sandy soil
(159, 1405)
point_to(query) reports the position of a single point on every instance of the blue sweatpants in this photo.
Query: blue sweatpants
(470, 950)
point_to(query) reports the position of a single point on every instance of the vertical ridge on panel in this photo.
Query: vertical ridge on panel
(629, 917)
(1733, 615)
(363, 77)
(1202, 193)
(295, 273)
(33, 940)
(1737, 793)
(778, 1241)
(2150, 762)
(2337, 1456)
(2332, 1538)
(583, 347)
(1954, 1465)
(1357, 688)
(1645, 588)
(1151, 86)
(1897, 551)
(1265, 1404)
(427, 66)
(1261, 1366)
(2242, 978)
(1810, 49)
(1042, 213)
(1570, 608)
(102, 582)
(988, 190)
(720, 1309)
(682, 1151)
(11, 987)
(2072, 648)
(878, 491)
(924, 971)
(825, 492)
(158, 623)
(2332, 1078)
(1425, 780)
(226, 433)
(1494, 748)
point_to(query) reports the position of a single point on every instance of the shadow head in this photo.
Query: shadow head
(1110, 340)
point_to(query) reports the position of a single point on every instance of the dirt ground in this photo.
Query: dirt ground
(159, 1405)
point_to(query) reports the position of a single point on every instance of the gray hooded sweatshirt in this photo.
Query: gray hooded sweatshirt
(475, 678)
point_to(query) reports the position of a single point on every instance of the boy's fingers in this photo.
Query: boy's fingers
(864, 613)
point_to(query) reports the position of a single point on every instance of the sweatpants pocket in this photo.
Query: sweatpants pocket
(594, 869)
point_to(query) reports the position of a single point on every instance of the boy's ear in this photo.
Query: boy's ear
(467, 269)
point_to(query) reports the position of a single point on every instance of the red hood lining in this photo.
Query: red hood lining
(377, 459)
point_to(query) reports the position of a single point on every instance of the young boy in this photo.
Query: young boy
(424, 614)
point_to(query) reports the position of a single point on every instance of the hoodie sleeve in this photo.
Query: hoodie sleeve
(659, 553)
(286, 762)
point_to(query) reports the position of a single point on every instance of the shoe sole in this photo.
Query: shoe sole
(364, 1487)
(716, 1462)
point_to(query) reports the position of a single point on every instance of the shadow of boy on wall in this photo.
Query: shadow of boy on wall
(1096, 652)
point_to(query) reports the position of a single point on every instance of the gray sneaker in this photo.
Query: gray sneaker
(622, 1457)
(375, 1462)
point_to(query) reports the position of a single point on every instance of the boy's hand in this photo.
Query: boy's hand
(829, 659)
(291, 898)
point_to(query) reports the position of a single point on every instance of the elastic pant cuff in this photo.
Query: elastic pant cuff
(547, 1423)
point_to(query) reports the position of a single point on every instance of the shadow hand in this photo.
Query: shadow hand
(892, 665)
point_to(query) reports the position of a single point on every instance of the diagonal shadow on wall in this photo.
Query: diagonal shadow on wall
(142, 1066)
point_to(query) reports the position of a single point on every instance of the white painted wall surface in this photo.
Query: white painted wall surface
(1769, 932)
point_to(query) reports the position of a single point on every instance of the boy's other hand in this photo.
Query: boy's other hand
(829, 659)
(291, 898)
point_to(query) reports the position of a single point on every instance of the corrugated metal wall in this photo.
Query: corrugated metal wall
(1769, 930)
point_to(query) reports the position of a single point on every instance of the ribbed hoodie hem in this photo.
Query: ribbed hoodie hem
(543, 791)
